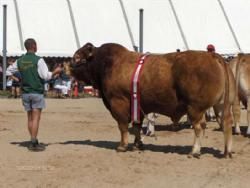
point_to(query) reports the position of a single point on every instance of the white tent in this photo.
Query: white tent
(62, 26)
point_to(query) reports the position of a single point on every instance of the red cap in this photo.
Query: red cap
(210, 48)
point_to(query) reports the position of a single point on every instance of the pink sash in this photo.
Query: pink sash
(135, 90)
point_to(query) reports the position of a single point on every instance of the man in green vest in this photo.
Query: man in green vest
(34, 72)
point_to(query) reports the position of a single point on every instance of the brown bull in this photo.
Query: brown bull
(241, 69)
(170, 84)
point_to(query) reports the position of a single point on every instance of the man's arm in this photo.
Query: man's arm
(44, 72)
(15, 78)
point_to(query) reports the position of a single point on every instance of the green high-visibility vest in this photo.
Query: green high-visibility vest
(31, 81)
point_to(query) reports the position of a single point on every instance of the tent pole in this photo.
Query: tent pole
(229, 25)
(128, 26)
(19, 25)
(141, 31)
(4, 45)
(179, 25)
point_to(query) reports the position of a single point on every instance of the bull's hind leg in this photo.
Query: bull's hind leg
(196, 118)
(227, 125)
(248, 115)
(218, 109)
(197, 142)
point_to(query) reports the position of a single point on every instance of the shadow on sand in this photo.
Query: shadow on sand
(26, 144)
(243, 130)
(167, 127)
(172, 127)
(181, 150)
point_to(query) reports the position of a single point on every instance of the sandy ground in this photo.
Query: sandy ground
(81, 137)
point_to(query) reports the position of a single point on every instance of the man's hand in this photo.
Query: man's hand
(57, 70)
(15, 78)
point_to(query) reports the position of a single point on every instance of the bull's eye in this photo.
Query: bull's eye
(83, 60)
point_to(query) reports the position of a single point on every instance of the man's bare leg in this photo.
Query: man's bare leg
(33, 126)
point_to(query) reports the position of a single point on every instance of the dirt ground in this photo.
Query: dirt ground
(81, 137)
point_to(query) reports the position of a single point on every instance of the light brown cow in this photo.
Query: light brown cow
(241, 69)
(171, 84)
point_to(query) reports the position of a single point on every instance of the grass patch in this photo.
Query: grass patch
(5, 93)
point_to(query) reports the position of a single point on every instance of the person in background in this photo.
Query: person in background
(75, 88)
(46, 87)
(66, 78)
(1, 69)
(211, 48)
(34, 71)
(9, 82)
(16, 84)
(9, 85)
(60, 85)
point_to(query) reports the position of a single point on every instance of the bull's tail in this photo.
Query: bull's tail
(237, 75)
(227, 118)
(236, 104)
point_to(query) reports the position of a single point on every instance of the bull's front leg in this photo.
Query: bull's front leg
(227, 124)
(123, 146)
(138, 144)
(120, 111)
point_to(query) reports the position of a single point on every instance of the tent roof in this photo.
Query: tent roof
(62, 26)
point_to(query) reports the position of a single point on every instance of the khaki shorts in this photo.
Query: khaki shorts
(33, 101)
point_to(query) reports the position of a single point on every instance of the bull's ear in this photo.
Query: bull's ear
(240, 54)
(90, 50)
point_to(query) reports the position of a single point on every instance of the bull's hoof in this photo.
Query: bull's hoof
(248, 133)
(138, 146)
(122, 148)
(228, 155)
(194, 155)
(237, 131)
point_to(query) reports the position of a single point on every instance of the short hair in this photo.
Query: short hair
(11, 60)
(28, 44)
